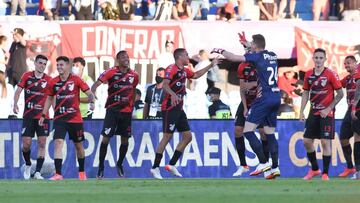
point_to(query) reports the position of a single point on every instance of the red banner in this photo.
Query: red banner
(306, 43)
(106, 39)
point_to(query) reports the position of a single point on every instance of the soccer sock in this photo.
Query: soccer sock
(103, 150)
(240, 148)
(347, 154)
(326, 164)
(157, 161)
(123, 149)
(255, 146)
(58, 163)
(274, 150)
(175, 157)
(81, 162)
(27, 157)
(357, 155)
(265, 146)
(312, 158)
(39, 163)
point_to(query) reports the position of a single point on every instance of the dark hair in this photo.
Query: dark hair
(20, 31)
(120, 52)
(40, 56)
(80, 60)
(178, 52)
(320, 50)
(63, 58)
(160, 69)
(168, 42)
(137, 91)
(259, 41)
(351, 57)
(2, 38)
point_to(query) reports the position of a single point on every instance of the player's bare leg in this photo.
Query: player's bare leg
(122, 153)
(155, 171)
(346, 147)
(58, 145)
(102, 155)
(80, 153)
(41, 142)
(26, 145)
(311, 154)
(186, 139)
(274, 151)
(240, 148)
(249, 133)
(357, 155)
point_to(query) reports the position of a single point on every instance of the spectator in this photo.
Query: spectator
(147, 9)
(199, 7)
(350, 10)
(240, 9)
(126, 10)
(17, 60)
(78, 69)
(166, 58)
(226, 12)
(154, 97)
(18, 3)
(321, 7)
(4, 56)
(6, 96)
(164, 10)
(84, 9)
(286, 109)
(181, 10)
(282, 7)
(51, 9)
(287, 81)
(3, 6)
(110, 10)
(138, 106)
(268, 9)
(218, 110)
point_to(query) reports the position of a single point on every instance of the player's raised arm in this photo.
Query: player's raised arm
(201, 72)
(229, 56)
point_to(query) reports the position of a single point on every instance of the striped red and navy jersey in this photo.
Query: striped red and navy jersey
(177, 84)
(67, 97)
(247, 72)
(35, 97)
(349, 83)
(121, 89)
(321, 88)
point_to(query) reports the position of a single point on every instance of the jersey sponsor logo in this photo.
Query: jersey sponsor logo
(171, 127)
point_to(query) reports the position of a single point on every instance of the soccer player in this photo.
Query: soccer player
(248, 91)
(265, 107)
(319, 86)
(349, 127)
(65, 90)
(122, 82)
(34, 84)
(173, 114)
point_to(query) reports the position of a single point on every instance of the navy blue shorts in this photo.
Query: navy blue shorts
(264, 110)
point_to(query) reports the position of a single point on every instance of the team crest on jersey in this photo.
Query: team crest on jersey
(71, 86)
(323, 82)
(131, 79)
(43, 84)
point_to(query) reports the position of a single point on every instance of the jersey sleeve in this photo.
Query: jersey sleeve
(343, 82)
(357, 75)
(189, 73)
(252, 57)
(136, 80)
(169, 73)
(335, 81)
(50, 88)
(82, 84)
(105, 75)
(240, 70)
(306, 85)
(22, 82)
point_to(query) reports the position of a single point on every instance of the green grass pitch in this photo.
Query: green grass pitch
(181, 190)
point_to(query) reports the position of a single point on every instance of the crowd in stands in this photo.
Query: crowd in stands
(180, 10)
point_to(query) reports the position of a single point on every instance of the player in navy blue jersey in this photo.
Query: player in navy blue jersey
(265, 107)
